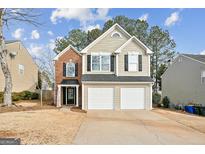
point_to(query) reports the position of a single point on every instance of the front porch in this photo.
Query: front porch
(68, 93)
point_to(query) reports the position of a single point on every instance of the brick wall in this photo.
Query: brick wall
(65, 58)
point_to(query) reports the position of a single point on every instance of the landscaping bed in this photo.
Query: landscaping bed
(27, 105)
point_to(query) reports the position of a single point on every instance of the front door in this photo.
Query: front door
(71, 95)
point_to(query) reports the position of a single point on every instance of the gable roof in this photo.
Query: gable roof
(65, 50)
(104, 35)
(199, 58)
(136, 40)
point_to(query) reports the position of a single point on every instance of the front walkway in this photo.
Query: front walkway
(135, 127)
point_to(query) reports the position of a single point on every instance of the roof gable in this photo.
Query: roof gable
(104, 35)
(65, 50)
(133, 38)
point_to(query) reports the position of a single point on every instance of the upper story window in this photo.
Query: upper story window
(203, 77)
(132, 62)
(70, 69)
(21, 69)
(100, 62)
(116, 35)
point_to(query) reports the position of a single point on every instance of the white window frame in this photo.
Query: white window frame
(100, 54)
(67, 65)
(202, 73)
(137, 63)
(21, 67)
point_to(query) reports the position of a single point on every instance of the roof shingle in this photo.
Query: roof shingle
(200, 58)
(114, 78)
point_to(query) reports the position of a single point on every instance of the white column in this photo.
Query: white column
(82, 95)
(66, 95)
(77, 104)
(59, 96)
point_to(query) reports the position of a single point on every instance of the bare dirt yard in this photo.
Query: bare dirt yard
(186, 119)
(39, 125)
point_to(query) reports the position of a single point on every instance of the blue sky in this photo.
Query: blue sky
(186, 26)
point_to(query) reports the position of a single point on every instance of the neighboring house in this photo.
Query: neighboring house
(23, 69)
(115, 73)
(184, 80)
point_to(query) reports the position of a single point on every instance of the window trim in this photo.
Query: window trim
(203, 71)
(137, 62)
(67, 69)
(100, 54)
(22, 69)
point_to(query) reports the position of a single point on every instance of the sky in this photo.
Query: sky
(186, 26)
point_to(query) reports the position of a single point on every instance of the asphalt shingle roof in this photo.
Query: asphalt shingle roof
(200, 58)
(114, 78)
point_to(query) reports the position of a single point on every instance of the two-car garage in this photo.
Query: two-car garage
(116, 97)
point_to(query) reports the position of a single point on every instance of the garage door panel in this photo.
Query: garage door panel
(132, 98)
(100, 98)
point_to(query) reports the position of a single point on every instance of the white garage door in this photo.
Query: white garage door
(100, 98)
(132, 98)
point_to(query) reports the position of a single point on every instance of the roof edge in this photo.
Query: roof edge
(148, 51)
(64, 51)
(103, 35)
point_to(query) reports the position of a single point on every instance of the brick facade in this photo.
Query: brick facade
(65, 58)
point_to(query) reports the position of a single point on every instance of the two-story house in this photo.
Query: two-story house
(115, 73)
(184, 80)
(24, 70)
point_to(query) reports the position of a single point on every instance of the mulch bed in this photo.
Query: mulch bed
(18, 108)
(77, 109)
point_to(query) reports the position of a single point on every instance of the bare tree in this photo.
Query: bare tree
(8, 16)
(46, 65)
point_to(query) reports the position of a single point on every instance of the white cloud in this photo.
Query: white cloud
(51, 44)
(50, 33)
(84, 15)
(172, 19)
(144, 17)
(36, 50)
(90, 27)
(59, 37)
(35, 34)
(202, 52)
(18, 33)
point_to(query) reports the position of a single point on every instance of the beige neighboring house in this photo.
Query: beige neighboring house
(115, 73)
(184, 80)
(23, 69)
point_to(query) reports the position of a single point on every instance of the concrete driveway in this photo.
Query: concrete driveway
(135, 127)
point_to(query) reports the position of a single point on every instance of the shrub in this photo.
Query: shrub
(156, 98)
(34, 95)
(166, 102)
(16, 96)
(26, 95)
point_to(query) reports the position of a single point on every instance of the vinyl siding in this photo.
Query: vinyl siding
(133, 47)
(117, 87)
(20, 82)
(107, 44)
(182, 82)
